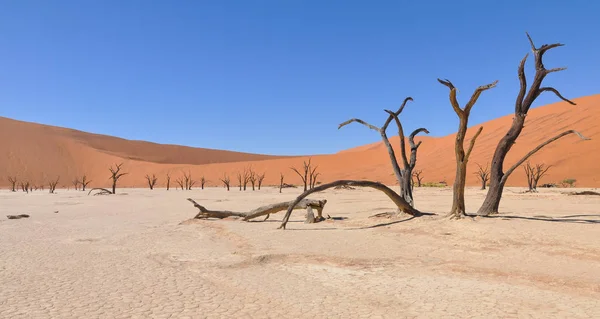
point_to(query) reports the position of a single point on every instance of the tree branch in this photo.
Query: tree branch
(476, 95)
(401, 135)
(523, 87)
(397, 199)
(453, 100)
(539, 147)
(390, 118)
(555, 91)
(413, 147)
(373, 127)
(472, 143)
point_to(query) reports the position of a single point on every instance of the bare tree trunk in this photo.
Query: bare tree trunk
(281, 182)
(523, 103)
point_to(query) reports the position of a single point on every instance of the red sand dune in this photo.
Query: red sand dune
(39, 152)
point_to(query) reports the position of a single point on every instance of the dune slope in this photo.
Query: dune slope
(38, 152)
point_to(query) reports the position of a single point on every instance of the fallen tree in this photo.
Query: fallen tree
(306, 203)
(401, 204)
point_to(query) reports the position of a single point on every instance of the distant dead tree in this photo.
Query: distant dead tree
(462, 158)
(403, 175)
(84, 182)
(151, 180)
(168, 180)
(534, 174)
(418, 175)
(246, 176)
(115, 174)
(226, 180)
(52, 185)
(305, 174)
(280, 182)
(483, 174)
(312, 180)
(260, 179)
(252, 178)
(13, 181)
(75, 183)
(239, 179)
(189, 181)
(180, 182)
(24, 186)
(525, 99)
(202, 182)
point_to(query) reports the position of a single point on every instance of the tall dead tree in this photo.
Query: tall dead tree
(483, 174)
(261, 178)
(52, 185)
(226, 181)
(462, 158)
(151, 180)
(84, 182)
(13, 181)
(418, 175)
(304, 175)
(246, 176)
(168, 180)
(525, 99)
(25, 187)
(403, 175)
(188, 181)
(280, 181)
(115, 175)
(202, 182)
(534, 174)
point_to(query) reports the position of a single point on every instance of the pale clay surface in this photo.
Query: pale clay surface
(138, 255)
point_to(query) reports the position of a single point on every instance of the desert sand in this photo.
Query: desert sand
(40, 153)
(137, 254)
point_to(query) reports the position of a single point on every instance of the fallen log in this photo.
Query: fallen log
(102, 191)
(267, 210)
(17, 216)
(275, 208)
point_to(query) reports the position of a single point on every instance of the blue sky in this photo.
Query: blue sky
(277, 76)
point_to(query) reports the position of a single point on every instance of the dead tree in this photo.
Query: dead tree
(13, 182)
(180, 182)
(260, 180)
(240, 178)
(418, 175)
(226, 181)
(168, 181)
(202, 182)
(151, 181)
(52, 185)
(246, 176)
(25, 187)
(401, 204)
(306, 170)
(312, 180)
(483, 174)
(462, 158)
(84, 182)
(75, 183)
(534, 174)
(280, 182)
(115, 175)
(188, 181)
(267, 210)
(404, 175)
(525, 99)
(252, 178)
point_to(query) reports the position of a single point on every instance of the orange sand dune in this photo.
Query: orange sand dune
(39, 152)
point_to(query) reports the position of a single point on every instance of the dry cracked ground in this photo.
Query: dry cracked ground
(137, 255)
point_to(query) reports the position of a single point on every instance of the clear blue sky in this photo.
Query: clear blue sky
(277, 76)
